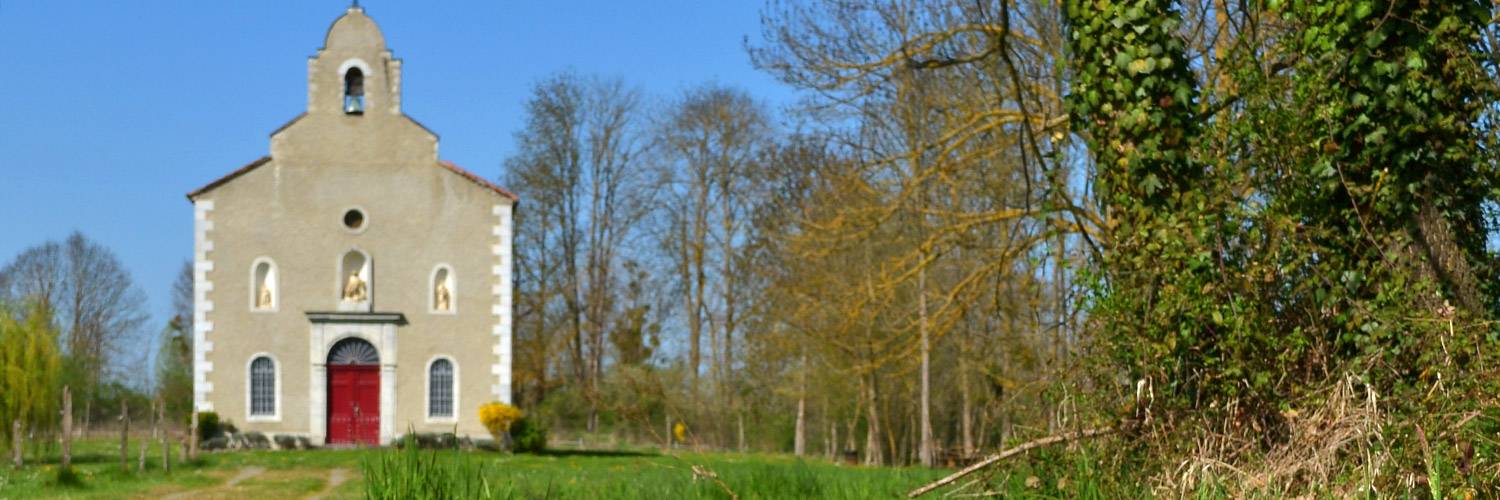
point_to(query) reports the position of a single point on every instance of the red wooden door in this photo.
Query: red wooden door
(354, 404)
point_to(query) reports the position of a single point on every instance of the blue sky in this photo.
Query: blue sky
(111, 111)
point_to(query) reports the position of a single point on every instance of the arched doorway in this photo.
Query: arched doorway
(353, 393)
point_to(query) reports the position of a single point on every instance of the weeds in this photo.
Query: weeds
(67, 476)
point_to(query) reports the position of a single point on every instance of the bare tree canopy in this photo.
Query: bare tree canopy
(97, 306)
(579, 151)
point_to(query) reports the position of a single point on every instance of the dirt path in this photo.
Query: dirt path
(239, 477)
(245, 473)
(336, 477)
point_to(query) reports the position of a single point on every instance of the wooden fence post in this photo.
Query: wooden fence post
(67, 428)
(15, 442)
(124, 436)
(166, 447)
(192, 444)
(140, 465)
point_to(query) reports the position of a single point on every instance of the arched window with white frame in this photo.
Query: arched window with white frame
(442, 390)
(263, 390)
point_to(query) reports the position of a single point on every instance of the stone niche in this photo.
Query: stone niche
(356, 282)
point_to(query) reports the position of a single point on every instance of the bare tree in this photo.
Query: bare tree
(577, 157)
(712, 141)
(952, 110)
(614, 144)
(96, 303)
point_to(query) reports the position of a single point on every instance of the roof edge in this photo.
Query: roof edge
(194, 194)
(451, 167)
(289, 123)
(445, 164)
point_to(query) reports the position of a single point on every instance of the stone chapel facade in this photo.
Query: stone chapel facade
(351, 285)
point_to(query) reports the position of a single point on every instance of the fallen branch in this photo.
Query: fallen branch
(700, 471)
(1022, 448)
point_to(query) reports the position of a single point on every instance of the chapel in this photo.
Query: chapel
(351, 286)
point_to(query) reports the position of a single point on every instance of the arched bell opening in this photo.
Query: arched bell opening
(354, 91)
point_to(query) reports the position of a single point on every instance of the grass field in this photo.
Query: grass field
(559, 474)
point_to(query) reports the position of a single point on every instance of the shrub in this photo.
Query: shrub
(255, 440)
(284, 441)
(498, 417)
(529, 435)
(208, 426)
(430, 440)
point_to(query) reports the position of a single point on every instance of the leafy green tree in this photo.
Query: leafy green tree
(174, 361)
(174, 369)
(29, 368)
(635, 337)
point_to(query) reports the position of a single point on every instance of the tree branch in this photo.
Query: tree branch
(1024, 447)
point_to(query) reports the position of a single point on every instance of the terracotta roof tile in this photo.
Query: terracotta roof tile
(478, 180)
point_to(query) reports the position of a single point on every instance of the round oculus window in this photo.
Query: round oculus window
(354, 219)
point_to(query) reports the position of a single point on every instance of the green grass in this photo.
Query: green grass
(560, 474)
(650, 475)
(96, 463)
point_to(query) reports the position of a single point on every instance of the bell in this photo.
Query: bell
(354, 104)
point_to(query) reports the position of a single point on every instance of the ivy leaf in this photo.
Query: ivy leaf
(1324, 169)
(1142, 66)
(1414, 61)
(1362, 10)
(1150, 184)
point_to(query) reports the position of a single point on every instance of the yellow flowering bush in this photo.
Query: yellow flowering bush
(680, 432)
(498, 417)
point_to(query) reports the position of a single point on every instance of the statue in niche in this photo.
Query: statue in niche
(354, 289)
(263, 299)
(442, 297)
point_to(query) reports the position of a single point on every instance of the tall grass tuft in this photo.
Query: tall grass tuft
(412, 473)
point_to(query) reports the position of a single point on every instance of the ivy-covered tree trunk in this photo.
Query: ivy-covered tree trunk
(1134, 100)
(1341, 208)
(1396, 164)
